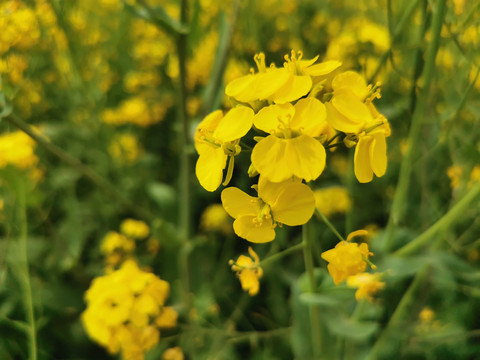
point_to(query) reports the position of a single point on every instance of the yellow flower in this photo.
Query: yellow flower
(134, 228)
(347, 258)
(280, 85)
(248, 271)
(216, 139)
(114, 241)
(125, 148)
(332, 200)
(174, 353)
(17, 149)
(291, 149)
(426, 315)
(351, 111)
(122, 308)
(367, 285)
(289, 202)
(215, 218)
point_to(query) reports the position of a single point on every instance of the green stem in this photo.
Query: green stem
(453, 215)
(399, 29)
(400, 315)
(401, 194)
(83, 169)
(184, 215)
(281, 254)
(329, 224)
(314, 310)
(25, 275)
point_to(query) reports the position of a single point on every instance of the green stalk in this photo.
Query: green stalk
(453, 215)
(329, 224)
(314, 310)
(83, 169)
(401, 194)
(281, 254)
(24, 275)
(184, 215)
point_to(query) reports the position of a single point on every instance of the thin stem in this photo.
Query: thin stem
(314, 310)
(329, 224)
(281, 254)
(184, 215)
(25, 276)
(83, 169)
(453, 215)
(401, 194)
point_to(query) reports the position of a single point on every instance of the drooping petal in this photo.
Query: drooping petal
(269, 191)
(268, 158)
(237, 203)
(378, 154)
(267, 119)
(307, 62)
(347, 104)
(340, 122)
(209, 168)
(362, 166)
(352, 81)
(247, 228)
(298, 86)
(235, 124)
(268, 83)
(242, 89)
(295, 205)
(310, 116)
(324, 68)
(305, 157)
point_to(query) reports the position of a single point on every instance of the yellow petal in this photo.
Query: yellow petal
(307, 63)
(235, 124)
(340, 122)
(352, 108)
(352, 81)
(295, 205)
(246, 228)
(305, 157)
(209, 123)
(268, 158)
(209, 168)
(324, 68)
(299, 86)
(267, 118)
(363, 169)
(378, 154)
(269, 191)
(242, 89)
(268, 83)
(310, 117)
(237, 203)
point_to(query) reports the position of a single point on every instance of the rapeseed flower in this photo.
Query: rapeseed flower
(367, 285)
(17, 149)
(292, 148)
(215, 218)
(332, 200)
(289, 202)
(174, 353)
(280, 85)
(347, 258)
(217, 139)
(248, 271)
(351, 111)
(124, 309)
(135, 229)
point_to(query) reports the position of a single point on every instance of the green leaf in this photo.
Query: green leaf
(341, 325)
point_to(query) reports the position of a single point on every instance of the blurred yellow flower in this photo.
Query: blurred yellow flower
(125, 149)
(248, 271)
(347, 258)
(426, 315)
(122, 310)
(17, 149)
(291, 149)
(215, 218)
(367, 285)
(216, 140)
(332, 200)
(174, 353)
(135, 229)
(289, 202)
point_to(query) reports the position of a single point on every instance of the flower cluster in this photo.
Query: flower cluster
(248, 271)
(126, 309)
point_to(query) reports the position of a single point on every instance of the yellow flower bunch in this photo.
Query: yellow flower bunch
(347, 258)
(126, 309)
(19, 26)
(248, 271)
(17, 149)
(366, 284)
(116, 247)
(125, 149)
(215, 218)
(135, 229)
(332, 200)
